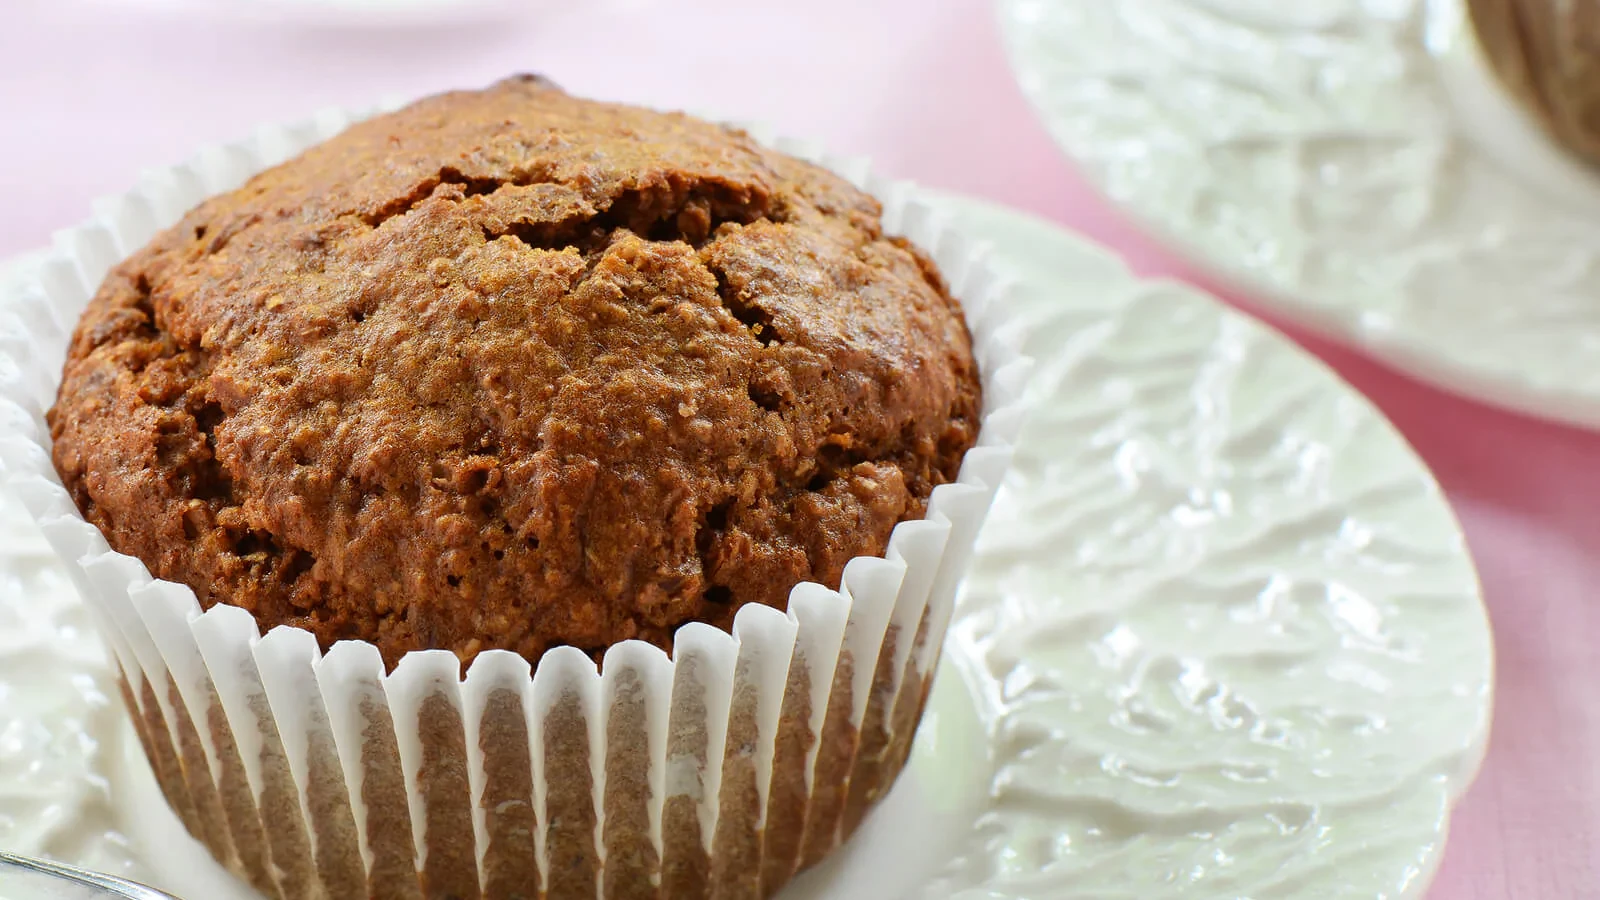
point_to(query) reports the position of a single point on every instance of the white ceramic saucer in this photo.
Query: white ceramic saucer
(1350, 162)
(1222, 639)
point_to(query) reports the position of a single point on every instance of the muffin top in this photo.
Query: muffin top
(513, 369)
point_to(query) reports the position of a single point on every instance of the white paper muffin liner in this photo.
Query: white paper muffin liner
(719, 771)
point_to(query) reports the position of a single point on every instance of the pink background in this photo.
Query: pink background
(93, 91)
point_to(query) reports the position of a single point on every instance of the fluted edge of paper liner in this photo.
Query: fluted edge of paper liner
(719, 771)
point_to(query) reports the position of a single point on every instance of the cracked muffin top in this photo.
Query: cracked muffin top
(513, 369)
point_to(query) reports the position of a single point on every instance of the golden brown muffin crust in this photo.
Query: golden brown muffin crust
(509, 368)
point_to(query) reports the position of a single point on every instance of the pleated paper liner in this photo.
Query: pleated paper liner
(717, 772)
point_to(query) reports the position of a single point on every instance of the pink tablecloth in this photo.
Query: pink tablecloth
(93, 91)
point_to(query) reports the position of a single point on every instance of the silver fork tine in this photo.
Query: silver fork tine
(110, 886)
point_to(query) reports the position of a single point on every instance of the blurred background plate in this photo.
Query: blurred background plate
(1352, 164)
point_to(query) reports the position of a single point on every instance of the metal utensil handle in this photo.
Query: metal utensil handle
(112, 885)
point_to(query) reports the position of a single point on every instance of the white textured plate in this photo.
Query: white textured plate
(1353, 163)
(1222, 638)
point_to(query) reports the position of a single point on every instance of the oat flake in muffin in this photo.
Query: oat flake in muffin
(512, 369)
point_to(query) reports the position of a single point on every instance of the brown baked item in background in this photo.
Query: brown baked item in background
(512, 369)
(1547, 53)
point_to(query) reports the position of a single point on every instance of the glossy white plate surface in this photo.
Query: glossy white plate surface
(1222, 639)
(1352, 164)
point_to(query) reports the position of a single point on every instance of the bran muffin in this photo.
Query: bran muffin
(512, 369)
